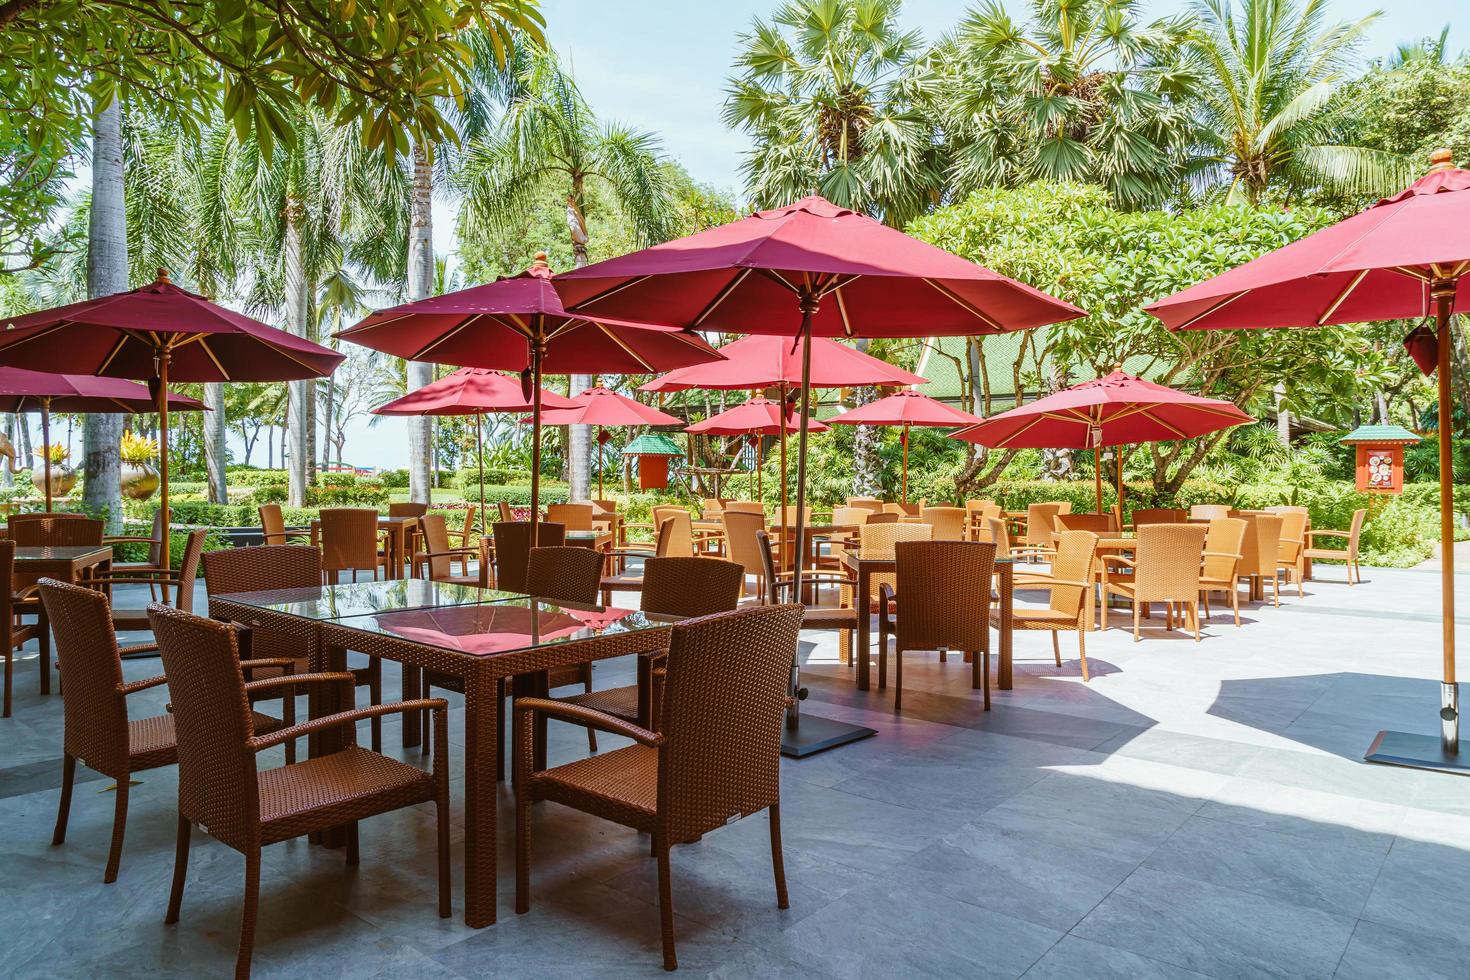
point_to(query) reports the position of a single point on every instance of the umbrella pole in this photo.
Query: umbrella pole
(782, 516)
(162, 358)
(1097, 476)
(480, 464)
(599, 462)
(46, 447)
(905, 437)
(759, 461)
(538, 348)
(809, 308)
(1443, 293)
(1120, 488)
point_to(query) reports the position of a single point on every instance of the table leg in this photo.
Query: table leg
(1007, 589)
(863, 602)
(413, 725)
(481, 749)
(395, 552)
(325, 699)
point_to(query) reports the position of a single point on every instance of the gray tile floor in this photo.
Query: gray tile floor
(1197, 810)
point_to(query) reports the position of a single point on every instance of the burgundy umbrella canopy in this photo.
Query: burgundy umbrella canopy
(908, 409)
(1117, 410)
(519, 324)
(771, 361)
(1408, 256)
(37, 391)
(811, 268)
(756, 417)
(603, 408)
(469, 391)
(160, 333)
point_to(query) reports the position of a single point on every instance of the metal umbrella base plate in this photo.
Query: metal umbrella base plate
(1416, 752)
(814, 734)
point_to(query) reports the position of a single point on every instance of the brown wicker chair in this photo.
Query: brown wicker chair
(411, 532)
(1070, 584)
(465, 537)
(741, 530)
(683, 587)
(1041, 525)
(942, 603)
(273, 528)
(1259, 551)
(1223, 542)
(1098, 524)
(867, 503)
(1165, 568)
(130, 620)
(883, 517)
(351, 541)
(283, 566)
(1159, 515)
(54, 530)
(1208, 512)
(513, 548)
(948, 522)
(1349, 555)
(222, 788)
(716, 760)
(626, 581)
(151, 566)
(842, 617)
(1289, 553)
(13, 633)
(436, 561)
(98, 731)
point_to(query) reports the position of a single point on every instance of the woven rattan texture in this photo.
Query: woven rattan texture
(513, 547)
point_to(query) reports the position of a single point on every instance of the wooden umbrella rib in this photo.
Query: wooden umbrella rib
(1178, 434)
(1342, 297)
(204, 344)
(1212, 309)
(122, 339)
(780, 280)
(719, 298)
(1005, 443)
(628, 350)
(418, 355)
(842, 311)
(965, 305)
(596, 297)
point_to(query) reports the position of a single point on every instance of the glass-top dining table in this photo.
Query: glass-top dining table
(481, 636)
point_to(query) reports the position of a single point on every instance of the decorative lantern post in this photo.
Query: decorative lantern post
(652, 450)
(1380, 465)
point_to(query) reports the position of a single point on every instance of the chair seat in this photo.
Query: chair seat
(621, 785)
(620, 702)
(334, 789)
(1036, 618)
(1325, 553)
(152, 742)
(622, 583)
(1216, 583)
(830, 617)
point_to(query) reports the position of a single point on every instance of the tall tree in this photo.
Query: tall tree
(549, 140)
(107, 273)
(420, 286)
(1084, 92)
(1269, 74)
(832, 94)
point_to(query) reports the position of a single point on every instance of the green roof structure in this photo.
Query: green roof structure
(943, 355)
(653, 444)
(1380, 433)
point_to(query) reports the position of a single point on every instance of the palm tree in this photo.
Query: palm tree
(1269, 74)
(1084, 93)
(1431, 50)
(107, 273)
(833, 93)
(316, 207)
(549, 140)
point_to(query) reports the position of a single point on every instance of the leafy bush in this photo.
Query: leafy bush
(256, 478)
(393, 479)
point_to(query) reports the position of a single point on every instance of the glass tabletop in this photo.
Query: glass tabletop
(55, 552)
(363, 598)
(506, 625)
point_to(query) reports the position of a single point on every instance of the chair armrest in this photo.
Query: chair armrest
(287, 680)
(1117, 560)
(1328, 532)
(135, 576)
(133, 687)
(1055, 583)
(582, 715)
(418, 555)
(259, 742)
(121, 538)
(1222, 554)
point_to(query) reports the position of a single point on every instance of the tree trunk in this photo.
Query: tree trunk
(297, 393)
(867, 468)
(6, 479)
(1283, 417)
(420, 286)
(327, 427)
(214, 442)
(579, 438)
(107, 273)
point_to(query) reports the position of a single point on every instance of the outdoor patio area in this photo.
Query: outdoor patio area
(1196, 810)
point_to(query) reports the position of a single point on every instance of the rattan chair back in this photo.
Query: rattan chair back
(96, 718)
(1096, 523)
(513, 550)
(1355, 531)
(744, 507)
(725, 696)
(1168, 561)
(1208, 512)
(1041, 524)
(1261, 545)
(948, 522)
(1285, 509)
(1293, 535)
(574, 517)
(878, 541)
(943, 597)
(349, 539)
(866, 503)
(1159, 515)
(1076, 552)
(883, 517)
(850, 516)
(690, 587)
(789, 515)
(564, 574)
(740, 540)
(1224, 539)
(272, 524)
(54, 530)
(435, 530)
(189, 568)
(681, 534)
(276, 566)
(506, 514)
(212, 719)
(407, 509)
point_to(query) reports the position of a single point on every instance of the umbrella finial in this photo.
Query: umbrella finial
(163, 274)
(539, 261)
(1441, 159)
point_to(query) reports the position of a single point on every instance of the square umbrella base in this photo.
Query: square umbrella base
(1417, 752)
(815, 734)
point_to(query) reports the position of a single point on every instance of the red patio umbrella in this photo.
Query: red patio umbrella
(811, 268)
(1408, 256)
(37, 391)
(755, 417)
(160, 333)
(603, 408)
(519, 324)
(470, 391)
(908, 409)
(1118, 410)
